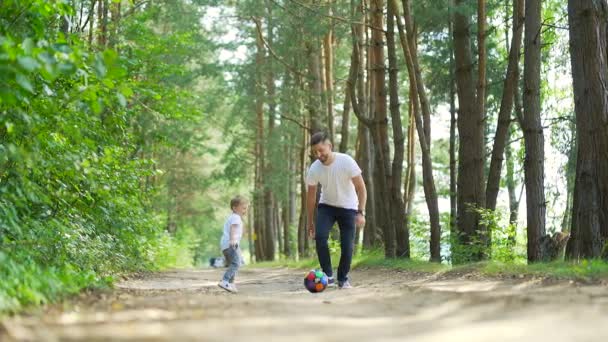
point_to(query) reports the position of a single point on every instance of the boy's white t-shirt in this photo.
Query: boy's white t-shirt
(337, 188)
(232, 219)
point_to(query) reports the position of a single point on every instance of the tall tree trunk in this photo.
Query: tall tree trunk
(506, 107)
(271, 208)
(481, 57)
(470, 121)
(115, 12)
(401, 233)
(380, 129)
(303, 240)
(91, 15)
(589, 232)
(409, 184)
(344, 130)
(259, 197)
(430, 191)
(329, 79)
(453, 162)
(315, 85)
(533, 132)
(102, 14)
(358, 87)
(511, 188)
(570, 178)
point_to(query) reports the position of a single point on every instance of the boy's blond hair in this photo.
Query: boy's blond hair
(236, 201)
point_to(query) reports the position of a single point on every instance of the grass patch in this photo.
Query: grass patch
(365, 259)
(585, 270)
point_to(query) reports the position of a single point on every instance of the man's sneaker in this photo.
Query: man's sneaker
(345, 285)
(234, 289)
(331, 282)
(226, 286)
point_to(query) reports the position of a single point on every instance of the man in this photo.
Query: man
(343, 197)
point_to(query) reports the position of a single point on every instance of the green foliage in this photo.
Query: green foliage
(96, 145)
(504, 245)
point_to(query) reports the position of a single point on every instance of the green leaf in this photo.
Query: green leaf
(28, 63)
(108, 83)
(121, 99)
(28, 46)
(24, 82)
(126, 91)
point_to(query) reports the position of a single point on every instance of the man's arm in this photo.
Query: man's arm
(362, 196)
(311, 200)
(361, 191)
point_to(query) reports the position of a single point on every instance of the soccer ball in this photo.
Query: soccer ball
(315, 281)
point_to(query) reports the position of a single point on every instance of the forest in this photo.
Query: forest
(126, 126)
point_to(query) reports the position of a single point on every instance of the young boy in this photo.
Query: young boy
(233, 231)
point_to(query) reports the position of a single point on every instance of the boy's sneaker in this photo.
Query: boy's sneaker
(345, 285)
(331, 282)
(226, 286)
(234, 289)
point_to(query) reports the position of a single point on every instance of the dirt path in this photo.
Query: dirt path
(272, 305)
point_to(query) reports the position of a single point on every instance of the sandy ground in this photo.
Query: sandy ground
(272, 305)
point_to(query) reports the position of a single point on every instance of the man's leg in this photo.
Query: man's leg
(325, 220)
(346, 222)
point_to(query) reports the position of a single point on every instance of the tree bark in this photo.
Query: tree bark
(259, 198)
(430, 191)
(470, 122)
(453, 161)
(102, 14)
(506, 107)
(379, 130)
(401, 233)
(589, 231)
(481, 57)
(533, 132)
(329, 79)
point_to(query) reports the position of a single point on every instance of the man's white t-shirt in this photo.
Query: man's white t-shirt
(232, 219)
(337, 188)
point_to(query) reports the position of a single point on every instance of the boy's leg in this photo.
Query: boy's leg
(346, 222)
(233, 261)
(325, 220)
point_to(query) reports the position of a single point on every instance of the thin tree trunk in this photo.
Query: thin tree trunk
(453, 163)
(344, 131)
(115, 12)
(427, 168)
(533, 132)
(570, 178)
(506, 107)
(259, 197)
(589, 232)
(271, 208)
(103, 23)
(401, 233)
(315, 87)
(358, 86)
(481, 57)
(409, 190)
(91, 22)
(329, 79)
(303, 240)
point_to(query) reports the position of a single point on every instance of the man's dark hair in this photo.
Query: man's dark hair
(319, 137)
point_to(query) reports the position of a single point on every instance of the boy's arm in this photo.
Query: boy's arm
(233, 239)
